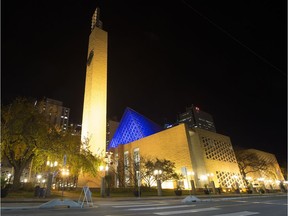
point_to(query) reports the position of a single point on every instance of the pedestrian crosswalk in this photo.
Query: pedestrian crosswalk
(166, 209)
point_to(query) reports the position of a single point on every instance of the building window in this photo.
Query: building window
(136, 157)
(126, 168)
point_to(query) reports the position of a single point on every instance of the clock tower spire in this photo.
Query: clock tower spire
(95, 97)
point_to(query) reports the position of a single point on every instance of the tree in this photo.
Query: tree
(166, 166)
(126, 172)
(24, 131)
(249, 162)
(27, 135)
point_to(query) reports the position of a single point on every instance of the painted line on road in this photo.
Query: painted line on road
(243, 213)
(186, 211)
(128, 206)
(161, 207)
(270, 203)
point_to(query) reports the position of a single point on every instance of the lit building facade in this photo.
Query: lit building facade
(268, 178)
(56, 113)
(196, 118)
(207, 155)
(95, 97)
(111, 128)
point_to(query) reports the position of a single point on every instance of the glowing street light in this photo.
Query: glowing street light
(51, 165)
(157, 173)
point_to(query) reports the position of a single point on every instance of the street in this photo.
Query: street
(237, 206)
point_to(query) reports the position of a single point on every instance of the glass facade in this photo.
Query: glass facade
(133, 126)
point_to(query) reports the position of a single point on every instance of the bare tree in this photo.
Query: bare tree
(250, 162)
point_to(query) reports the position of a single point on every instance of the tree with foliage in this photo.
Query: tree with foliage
(166, 166)
(249, 162)
(24, 131)
(127, 172)
(26, 135)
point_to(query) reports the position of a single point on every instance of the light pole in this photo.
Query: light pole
(51, 166)
(193, 189)
(157, 173)
(138, 182)
(236, 184)
(65, 173)
(102, 190)
(105, 174)
(211, 182)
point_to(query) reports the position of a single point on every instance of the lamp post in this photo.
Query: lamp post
(236, 184)
(51, 166)
(102, 190)
(192, 182)
(211, 182)
(138, 182)
(105, 174)
(65, 173)
(157, 173)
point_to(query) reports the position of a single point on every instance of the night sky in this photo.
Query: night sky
(229, 58)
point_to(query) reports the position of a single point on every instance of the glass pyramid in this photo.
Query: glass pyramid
(133, 126)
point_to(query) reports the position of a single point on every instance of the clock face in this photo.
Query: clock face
(90, 57)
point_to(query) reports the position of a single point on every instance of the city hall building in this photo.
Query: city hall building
(200, 155)
(198, 151)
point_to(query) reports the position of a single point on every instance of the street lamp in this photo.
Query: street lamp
(38, 178)
(211, 182)
(157, 173)
(108, 161)
(192, 182)
(236, 183)
(102, 169)
(138, 176)
(64, 173)
(51, 166)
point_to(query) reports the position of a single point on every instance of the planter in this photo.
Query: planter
(178, 192)
(4, 192)
(136, 193)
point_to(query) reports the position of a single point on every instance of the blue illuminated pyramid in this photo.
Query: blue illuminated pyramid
(133, 126)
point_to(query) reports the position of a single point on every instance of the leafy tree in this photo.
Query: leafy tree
(166, 166)
(127, 172)
(27, 135)
(24, 131)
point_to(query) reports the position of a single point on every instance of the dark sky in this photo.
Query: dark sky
(229, 58)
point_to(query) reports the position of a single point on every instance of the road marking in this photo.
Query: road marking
(161, 207)
(186, 211)
(128, 206)
(243, 213)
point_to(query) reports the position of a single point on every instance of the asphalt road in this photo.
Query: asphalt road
(237, 206)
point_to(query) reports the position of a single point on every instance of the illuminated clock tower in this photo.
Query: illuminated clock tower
(95, 97)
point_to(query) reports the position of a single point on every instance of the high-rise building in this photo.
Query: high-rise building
(57, 114)
(196, 118)
(94, 119)
(111, 128)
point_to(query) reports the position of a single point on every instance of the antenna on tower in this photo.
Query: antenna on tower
(96, 20)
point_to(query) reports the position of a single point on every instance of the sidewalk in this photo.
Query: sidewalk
(28, 203)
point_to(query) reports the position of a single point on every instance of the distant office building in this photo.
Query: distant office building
(196, 118)
(111, 128)
(57, 114)
(75, 128)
